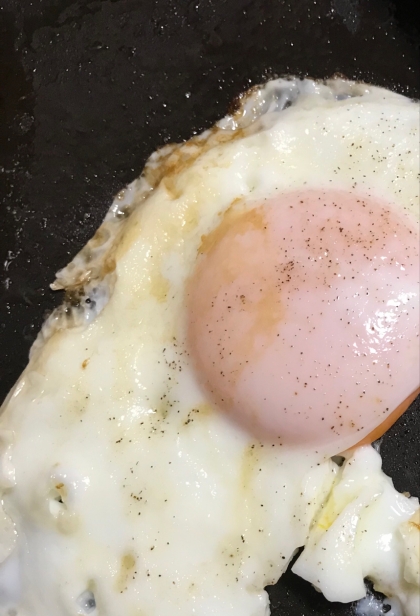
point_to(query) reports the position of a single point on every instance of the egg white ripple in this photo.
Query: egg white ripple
(124, 492)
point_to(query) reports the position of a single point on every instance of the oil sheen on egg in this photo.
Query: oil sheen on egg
(248, 310)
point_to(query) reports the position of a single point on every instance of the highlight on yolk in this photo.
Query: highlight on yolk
(304, 317)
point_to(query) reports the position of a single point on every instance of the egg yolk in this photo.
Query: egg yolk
(304, 317)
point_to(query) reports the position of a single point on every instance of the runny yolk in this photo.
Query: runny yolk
(304, 317)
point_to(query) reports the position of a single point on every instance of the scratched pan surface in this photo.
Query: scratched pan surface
(89, 89)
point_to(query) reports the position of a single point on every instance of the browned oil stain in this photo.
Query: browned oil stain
(235, 214)
(414, 521)
(265, 312)
(62, 490)
(182, 156)
(248, 465)
(170, 166)
(101, 236)
(200, 410)
(159, 287)
(128, 563)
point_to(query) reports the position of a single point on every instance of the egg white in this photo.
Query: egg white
(124, 491)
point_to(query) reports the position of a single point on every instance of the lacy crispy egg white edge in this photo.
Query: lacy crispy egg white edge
(119, 500)
(89, 278)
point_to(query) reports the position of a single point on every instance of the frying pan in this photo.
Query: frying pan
(89, 89)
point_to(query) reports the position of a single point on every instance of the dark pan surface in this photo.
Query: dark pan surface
(90, 89)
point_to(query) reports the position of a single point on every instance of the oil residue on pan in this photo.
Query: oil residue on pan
(90, 89)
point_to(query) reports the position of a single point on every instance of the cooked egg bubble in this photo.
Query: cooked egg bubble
(246, 311)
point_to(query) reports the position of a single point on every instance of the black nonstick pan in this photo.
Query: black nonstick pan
(89, 89)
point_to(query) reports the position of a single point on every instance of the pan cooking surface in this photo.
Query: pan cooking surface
(90, 89)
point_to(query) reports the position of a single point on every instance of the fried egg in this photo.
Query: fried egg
(248, 309)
